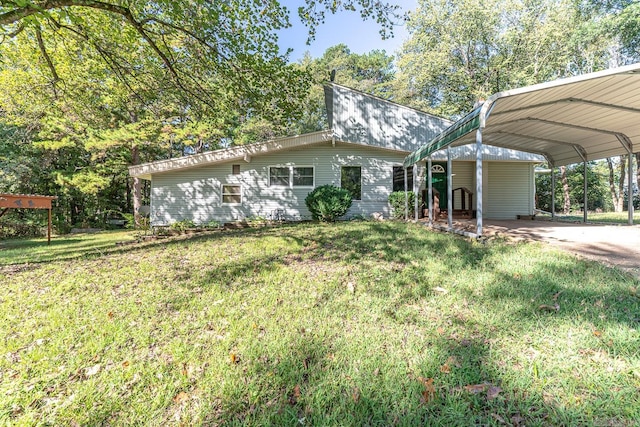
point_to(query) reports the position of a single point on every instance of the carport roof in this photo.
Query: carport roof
(571, 120)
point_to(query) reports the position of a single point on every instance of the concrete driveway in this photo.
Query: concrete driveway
(615, 245)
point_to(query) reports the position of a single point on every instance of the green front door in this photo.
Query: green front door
(439, 182)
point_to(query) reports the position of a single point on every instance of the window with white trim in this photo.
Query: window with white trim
(280, 176)
(231, 194)
(291, 176)
(302, 176)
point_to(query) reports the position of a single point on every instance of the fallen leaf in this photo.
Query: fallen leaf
(234, 358)
(556, 295)
(476, 388)
(545, 307)
(452, 361)
(440, 330)
(376, 372)
(597, 333)
(351, 287)
(125, 364)
(429, 392)
(516, 420)
(295, 395)
(355, 394)
(498, 418)
(110, 315)
(180, 397)
(440, 290)
(493, 392)
(445, 369)
(89, 372)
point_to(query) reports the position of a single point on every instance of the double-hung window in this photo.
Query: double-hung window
(231, 194)
(291, 176)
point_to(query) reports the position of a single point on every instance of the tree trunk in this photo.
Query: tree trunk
(616, 195)
(137, 187)
(565, 190)
(623, 177)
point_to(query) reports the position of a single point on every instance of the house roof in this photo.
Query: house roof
(241, 152)
(587, 117)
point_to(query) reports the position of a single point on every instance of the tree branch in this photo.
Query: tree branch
(47, 58)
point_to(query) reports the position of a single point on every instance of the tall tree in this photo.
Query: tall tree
(462, 51)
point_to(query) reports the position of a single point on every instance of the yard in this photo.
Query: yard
(355, 323)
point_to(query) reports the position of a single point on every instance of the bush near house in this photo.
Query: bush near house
(328, 202)
(397, 202)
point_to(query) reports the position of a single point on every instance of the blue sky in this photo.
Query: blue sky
(345, 27)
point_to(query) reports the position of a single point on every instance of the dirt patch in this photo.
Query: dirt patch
(614, 245)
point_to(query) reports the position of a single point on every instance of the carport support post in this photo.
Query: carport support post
(586, 188)
(430, 190)
(630, 188)
(479, 181)
(406, 196)
(449, 191)
(416, 185)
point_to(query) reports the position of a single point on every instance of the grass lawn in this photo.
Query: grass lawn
(357, 323)
(599, 217)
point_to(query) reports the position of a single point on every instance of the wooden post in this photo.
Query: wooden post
(49, 229)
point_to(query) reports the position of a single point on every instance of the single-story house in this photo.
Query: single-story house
(363, 149)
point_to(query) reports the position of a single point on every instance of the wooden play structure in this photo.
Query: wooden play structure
(24, 201)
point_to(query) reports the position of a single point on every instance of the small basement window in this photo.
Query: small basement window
(235, 169)
(231, 194)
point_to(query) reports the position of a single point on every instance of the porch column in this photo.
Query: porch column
(479, 181)
(430, 191)
(406, 196)
(416, 187)
(586, 189)
(449, 191)
(630, 187)
(553, 191)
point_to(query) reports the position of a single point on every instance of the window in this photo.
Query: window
(279, 176)
(398, 178)
(286, 176)
(351, 180)
(303, 177)
(235, 169)
(231, 194)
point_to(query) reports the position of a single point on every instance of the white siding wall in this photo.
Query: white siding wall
(195, 193)
(509, 190)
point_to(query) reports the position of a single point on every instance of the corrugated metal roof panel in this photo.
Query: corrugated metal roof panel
(566, 120)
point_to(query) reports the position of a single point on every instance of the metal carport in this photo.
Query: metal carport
(578, 119)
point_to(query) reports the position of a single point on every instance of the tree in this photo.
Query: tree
(616, 181)
(462, 51)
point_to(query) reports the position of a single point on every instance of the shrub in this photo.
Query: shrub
(182, 225)
(396, 200)
(328, 202)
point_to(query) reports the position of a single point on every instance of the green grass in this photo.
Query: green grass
(601, 217)
(339, 324)
(64, 247)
